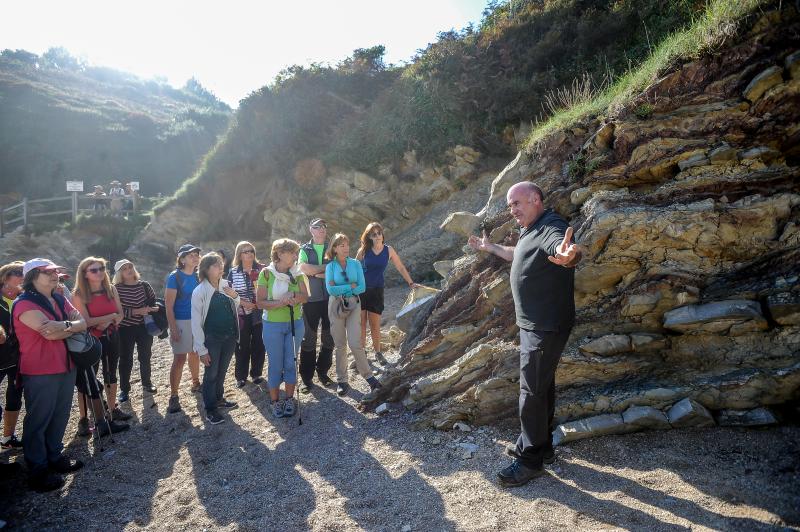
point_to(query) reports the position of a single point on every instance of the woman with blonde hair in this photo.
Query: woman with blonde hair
(138, 300)
(98, 302)
(344, 280)
(375, 255)
(281, 292)
(242, 277)
(215, 331)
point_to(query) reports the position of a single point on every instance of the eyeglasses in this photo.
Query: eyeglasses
(248, 251)
(47, 271)
(96, 270)
(319, 227)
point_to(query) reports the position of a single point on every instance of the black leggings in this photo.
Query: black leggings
(13, 394)
(131, 336)
(110, 359)
(250, 350)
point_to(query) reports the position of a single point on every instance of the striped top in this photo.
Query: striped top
(244, 283)
(134, 296)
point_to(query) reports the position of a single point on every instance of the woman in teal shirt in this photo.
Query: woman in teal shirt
(344, 279)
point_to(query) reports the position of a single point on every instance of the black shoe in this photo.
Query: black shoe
(380, 358)
(258, 380)
(373, 384)
(342, 388)
(149, 388)
(107, 427)
(226, 404)
(306, 387)
(12, 443)
(518, 475)
(122, 397)
(240, 384)
(325, 380)
(548, 458)
(65, 465)
(214, 417)
(119, 415)
(174, 405)
(45, 481)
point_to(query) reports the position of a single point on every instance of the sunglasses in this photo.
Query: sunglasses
(248, 251)
(96, 270)
(319, 227)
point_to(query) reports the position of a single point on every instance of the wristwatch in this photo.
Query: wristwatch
(68, 324)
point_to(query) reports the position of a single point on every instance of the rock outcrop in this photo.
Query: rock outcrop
(688, 291)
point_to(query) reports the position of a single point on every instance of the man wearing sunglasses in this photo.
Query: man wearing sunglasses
(312, 263)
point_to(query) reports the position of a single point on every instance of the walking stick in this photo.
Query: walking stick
(296, 367)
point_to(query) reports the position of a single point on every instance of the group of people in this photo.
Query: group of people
(119, 197)
(256, 312)
(256, 309)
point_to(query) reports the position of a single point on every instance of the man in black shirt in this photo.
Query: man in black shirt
(542, 283)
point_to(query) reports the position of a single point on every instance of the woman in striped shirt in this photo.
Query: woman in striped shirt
(138, 300)
(250, 349)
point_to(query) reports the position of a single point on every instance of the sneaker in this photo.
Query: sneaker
(214, 417)
(373, 384)
(288, 407)
(149, 388)
(45, 481)
(380, 358)
(119, 415)
(277, 408)
(342, 388)
(240, 384)
(196, 386)
(518, 474)
(325, 380)
(226, 404)
(306, 387)
(106, 427)
(258, 380)
(122, 397)
(65, 465)
(83, 427)
(174, 405)
(11, 443)
(548, 458)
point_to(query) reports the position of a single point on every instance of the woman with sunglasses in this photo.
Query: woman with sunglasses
(242, 277)
(98, 301)
(42, 320)
(138, 300)
(375, 255)
(344, 280)
(11, 287)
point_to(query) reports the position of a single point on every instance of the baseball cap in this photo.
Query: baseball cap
(44, 264)
(120, 263)
(318, 222)
(186, 249)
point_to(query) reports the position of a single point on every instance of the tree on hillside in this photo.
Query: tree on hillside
(365, 60)
(60, 59)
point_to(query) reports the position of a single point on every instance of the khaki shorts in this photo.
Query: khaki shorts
(186, 343)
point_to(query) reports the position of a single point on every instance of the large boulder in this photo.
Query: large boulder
(731, 317)
(689, 413)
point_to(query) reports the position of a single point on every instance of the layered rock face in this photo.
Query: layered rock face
(687, 204)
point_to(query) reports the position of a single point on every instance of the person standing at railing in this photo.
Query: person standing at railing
(98, 198)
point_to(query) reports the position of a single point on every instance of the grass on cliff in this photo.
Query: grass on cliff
(717, 23)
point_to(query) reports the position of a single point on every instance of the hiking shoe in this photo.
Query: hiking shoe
(11, 443)
(226, 404)
(106, 427)
(548, 458)
(342, 388)
(240, 384)
(119, 415)
(258, 380)
(518, 474)
(380, 358)
(277, 408)
(83, 427)
(373, 384)
(149, 388)
(324, 380)
(196, 386)
(174, 405)
(65, 465)
(214, 417)
(288, 407)
(306, 387)
(45, 481)
(122, 397)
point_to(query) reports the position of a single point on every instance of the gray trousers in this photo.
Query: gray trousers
(48, 401)
(347, 332)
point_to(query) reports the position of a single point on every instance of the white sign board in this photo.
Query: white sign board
(74, 186)
(134, 185)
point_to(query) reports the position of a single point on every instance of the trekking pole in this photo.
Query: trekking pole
(296, 367)
(90, 405)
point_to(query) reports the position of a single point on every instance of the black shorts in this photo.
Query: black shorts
(372, 300)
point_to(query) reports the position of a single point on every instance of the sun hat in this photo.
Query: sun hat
(120, 263)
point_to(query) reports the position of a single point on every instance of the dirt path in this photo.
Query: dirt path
(346, 470)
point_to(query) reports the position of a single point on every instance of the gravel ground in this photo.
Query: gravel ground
(343, 469)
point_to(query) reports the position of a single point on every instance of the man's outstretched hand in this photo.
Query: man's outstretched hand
(479, 244)
(567, 253)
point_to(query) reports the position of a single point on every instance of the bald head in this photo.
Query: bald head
(525, 199)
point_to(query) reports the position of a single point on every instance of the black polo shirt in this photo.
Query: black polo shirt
(543, 292)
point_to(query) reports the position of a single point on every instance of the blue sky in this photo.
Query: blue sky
(232, 47)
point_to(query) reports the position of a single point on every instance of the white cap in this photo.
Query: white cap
(44, 264)
(120, 263)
